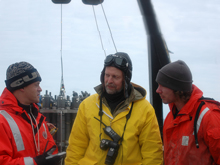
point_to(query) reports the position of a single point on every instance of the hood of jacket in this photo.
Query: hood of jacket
(188, 107)
(137, 93)
(8, 102)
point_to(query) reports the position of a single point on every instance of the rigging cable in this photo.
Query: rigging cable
(61, 30)
(61, 38)
(62, 88)
(98, 30)
(108, 28)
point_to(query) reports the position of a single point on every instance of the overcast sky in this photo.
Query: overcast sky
(31, 31)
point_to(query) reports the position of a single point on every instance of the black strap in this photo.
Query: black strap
(127, 117)
(195, 122)
(206, 98)
(197, 116)
(101, 113)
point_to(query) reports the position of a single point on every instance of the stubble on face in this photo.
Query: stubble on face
(113, 80)
(32, 92)
(167, 95)
(111, 89)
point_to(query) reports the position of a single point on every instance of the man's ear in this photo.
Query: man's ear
(22, 89)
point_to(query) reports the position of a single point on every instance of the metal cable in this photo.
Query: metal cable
(98, 30)
(62, 89)
(109, 28)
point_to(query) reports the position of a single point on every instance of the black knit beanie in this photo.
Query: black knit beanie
(19, 75)
(176, 76)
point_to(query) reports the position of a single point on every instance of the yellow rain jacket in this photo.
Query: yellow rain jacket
(141, 144)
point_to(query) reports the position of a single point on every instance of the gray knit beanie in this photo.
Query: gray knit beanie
(176, 76)
(21, 74)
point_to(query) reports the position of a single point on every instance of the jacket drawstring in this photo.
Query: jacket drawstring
(37, 146)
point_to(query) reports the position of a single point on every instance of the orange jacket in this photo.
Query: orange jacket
(178, 135)
(17, 144)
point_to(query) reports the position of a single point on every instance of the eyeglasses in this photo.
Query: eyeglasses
(118, 61)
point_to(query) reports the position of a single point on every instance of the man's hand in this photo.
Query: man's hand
(48, 159)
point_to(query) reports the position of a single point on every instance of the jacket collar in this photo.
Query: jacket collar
(189, 106)
(9, 102)
(137, 93)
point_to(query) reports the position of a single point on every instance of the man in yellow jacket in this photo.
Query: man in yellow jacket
(117, 125)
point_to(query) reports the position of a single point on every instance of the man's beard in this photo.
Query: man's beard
(112, 90)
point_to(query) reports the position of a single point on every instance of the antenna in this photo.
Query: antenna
(62, 88)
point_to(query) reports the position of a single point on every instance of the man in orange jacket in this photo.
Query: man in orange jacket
(176, 89)
(25, 138)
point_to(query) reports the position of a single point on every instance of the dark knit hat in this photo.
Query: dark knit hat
(19, 75)
(176, 76)
(123, 62)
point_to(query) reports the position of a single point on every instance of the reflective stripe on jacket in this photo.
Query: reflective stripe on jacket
(17, 144)
(179, 140)
(141, 144)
